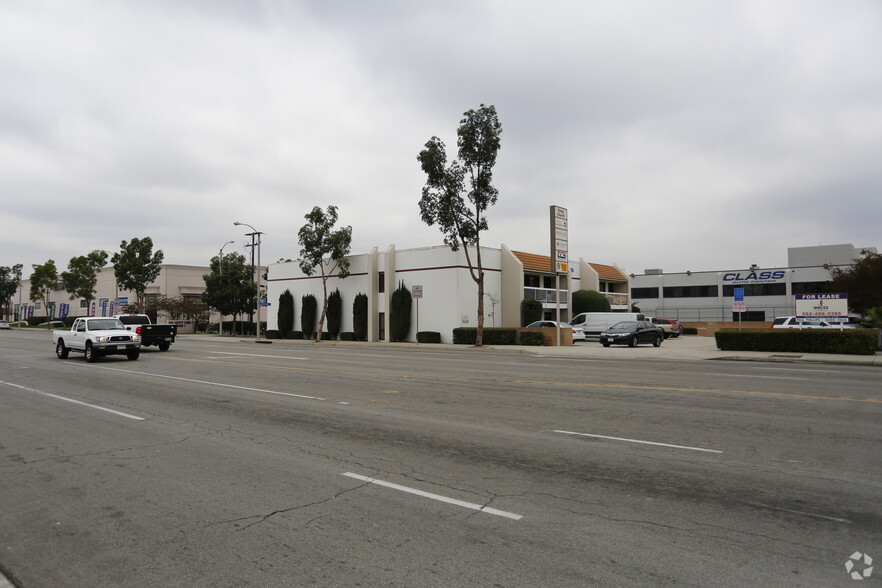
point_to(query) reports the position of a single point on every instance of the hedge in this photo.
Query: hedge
(690, 330)
(492, 336)
(428, 337)
(531, 338)
(347, 336)
(846, 341)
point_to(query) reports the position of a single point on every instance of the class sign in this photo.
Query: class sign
(822, 306)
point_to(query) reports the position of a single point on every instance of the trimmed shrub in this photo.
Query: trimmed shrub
(295, 335)
(529, 338)
(399, 318)
(335, 313)
(492, 336)
(273, 334)
(589, 301)
(347, 336)
(846, 341)
(308, 315)
(428, 337)
(286, 314)
(690, 331)
(360, 317)
(531, 311)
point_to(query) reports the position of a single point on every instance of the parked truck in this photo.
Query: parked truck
(160, 335)
(95, 337)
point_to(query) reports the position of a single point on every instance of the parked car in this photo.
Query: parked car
(4, 325)
(578, 333)
(594, 323)
(672, 327)
(792, 322)
(632, 333)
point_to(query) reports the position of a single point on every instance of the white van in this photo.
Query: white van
(593, 323)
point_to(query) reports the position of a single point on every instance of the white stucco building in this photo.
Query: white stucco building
(449, 295)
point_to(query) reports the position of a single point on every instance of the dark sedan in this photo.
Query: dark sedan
(632, 333)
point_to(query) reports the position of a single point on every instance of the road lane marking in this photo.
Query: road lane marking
(259, 355)
(638, 441)
(739, 376)
(218, 384)
(57, 397)
(438, 497)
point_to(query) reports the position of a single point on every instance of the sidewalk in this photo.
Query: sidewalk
(685, 347)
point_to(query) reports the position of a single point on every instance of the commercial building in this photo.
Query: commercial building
(707, 296)
(174, 281)
(448, 292)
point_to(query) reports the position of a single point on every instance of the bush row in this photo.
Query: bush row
(847, 341)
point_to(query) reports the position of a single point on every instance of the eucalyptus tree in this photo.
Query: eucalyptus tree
(456, 196)
(324, 248)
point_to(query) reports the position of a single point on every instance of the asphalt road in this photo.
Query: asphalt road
(223, 463)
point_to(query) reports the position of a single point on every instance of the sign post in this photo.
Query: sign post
(559, 254)
(739, 305)
(417, 293)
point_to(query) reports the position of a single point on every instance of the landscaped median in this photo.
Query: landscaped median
(844, 342)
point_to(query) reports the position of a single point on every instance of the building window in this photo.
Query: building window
(810, 287)
(691, 291)
(531, 281)
(779, 289)
(549, 282)
(643, 293)
(381, 287)
(83, 303)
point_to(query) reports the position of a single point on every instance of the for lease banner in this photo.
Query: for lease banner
(822, 306)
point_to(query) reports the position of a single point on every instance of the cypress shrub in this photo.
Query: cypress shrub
(335, 313)
(286, 314)
(360, 317)
(531, 311)
(272, 334)
(347, 336)
(428, 337)
(589, 301)
(308, 316)
(399, 319)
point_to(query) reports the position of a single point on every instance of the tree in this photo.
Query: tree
(399, 318)
(307, 316)
(44, 280)
(443, 203)
(326, 249)
(82, 275)
(286, 314)
(531, 311)
(862, 281)
(335, 313)
(360, 317)
(10, 281)
(136, 267)
(230, 286)
(589, 301)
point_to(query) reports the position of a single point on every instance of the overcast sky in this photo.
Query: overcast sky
(678, 134)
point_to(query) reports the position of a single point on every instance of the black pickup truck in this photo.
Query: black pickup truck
(161, 335)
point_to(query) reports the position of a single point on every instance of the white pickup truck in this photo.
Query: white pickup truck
(97, 336)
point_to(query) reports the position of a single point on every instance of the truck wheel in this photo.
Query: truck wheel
(133, 355)
(657, 342)
(164, 346)
(90, 354)
(61, 351)
(633, 341)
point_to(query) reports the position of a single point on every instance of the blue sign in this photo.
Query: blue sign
(739, 294)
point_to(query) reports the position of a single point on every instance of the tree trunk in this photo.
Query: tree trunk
(479, 336)
(321, 325)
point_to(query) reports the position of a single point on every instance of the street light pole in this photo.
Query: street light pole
(257, 234)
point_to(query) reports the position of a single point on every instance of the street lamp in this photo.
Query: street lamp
(220, 257)
(254, 234)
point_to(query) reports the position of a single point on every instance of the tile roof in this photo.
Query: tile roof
(542, 263)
